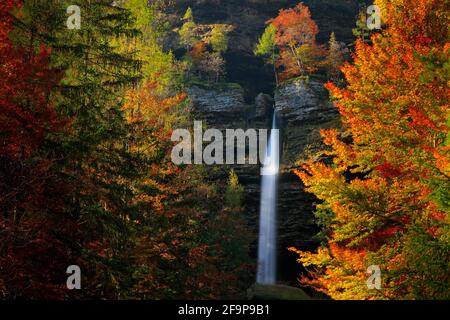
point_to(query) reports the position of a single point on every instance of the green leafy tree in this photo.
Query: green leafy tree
(188, 31)
(188, 15)
(234, 193)
(219, 38)
(267, 48)
(157, 66)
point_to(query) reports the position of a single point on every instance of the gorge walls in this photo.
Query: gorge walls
(304, 109)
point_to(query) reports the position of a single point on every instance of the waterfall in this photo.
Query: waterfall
(268, 209)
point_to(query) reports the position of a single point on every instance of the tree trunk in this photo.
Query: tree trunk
(274, 66)
(298, 60)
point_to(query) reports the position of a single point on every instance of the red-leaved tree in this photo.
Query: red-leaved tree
(29, 187)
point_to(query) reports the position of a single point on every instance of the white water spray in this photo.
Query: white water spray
(268, 210)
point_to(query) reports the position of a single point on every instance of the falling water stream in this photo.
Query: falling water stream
(266, 273)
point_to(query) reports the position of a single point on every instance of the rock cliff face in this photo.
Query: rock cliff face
(218, 106)
(249, 20)
(304, 109)
(304, 102)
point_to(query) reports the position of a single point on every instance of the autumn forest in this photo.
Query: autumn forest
(92, 93)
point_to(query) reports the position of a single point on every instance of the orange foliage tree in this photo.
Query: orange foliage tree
(385, 198)
(186, 245)
(296, 40)
(99, 190)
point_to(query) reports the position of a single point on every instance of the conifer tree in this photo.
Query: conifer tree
(188, 31)
(335, 58)
(219, 39)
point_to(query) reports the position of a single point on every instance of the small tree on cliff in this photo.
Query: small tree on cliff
(219, 38)
(296, 40)
(207, 65)
(188, 31)
(267, 48)
(335, 58)
(219, 43)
